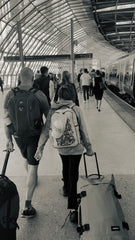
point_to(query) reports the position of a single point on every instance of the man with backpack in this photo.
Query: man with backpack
(24, 108)
(45, 84)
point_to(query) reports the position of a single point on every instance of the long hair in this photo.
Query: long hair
(98, 73)
(65, 93)
(66, 77)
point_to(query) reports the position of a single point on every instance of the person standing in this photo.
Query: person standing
(98, 90)
(85, 82)
(70, 156)
(19, 103)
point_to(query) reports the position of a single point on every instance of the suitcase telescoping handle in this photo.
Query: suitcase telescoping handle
(85, 165)
(5, 162)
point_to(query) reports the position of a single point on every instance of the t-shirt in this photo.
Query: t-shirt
(85, 78)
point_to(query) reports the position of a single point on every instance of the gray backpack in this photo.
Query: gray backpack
(24, 112)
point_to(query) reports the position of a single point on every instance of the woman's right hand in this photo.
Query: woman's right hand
(90, 153)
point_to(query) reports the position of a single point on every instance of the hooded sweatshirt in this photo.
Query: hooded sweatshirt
(85, 142)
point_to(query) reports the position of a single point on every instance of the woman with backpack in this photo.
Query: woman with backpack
(66, 79)
(70, 154)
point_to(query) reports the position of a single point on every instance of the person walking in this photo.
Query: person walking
(85, 82)
(98, 89)
(66, 80)
(92, 75)
(37, 75)
(78, 79)
(70, 156)
(24, 108)
(1, 85)
(44, 84)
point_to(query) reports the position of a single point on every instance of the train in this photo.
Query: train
(122, 74)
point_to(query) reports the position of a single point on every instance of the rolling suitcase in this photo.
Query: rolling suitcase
(9, 205)
(100, 216)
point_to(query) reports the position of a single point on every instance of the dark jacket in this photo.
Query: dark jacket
(43, 84)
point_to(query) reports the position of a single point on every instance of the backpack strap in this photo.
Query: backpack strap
(71, 107)
(33, 90)
(17, 89)
(67, 106)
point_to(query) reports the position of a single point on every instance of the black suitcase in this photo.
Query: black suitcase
(100, 216)
(9, 205)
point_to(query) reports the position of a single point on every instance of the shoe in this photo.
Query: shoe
(28, 213)
(84, 101)
(65, 192)
(97, 107)
(99, 110)
(74, 216)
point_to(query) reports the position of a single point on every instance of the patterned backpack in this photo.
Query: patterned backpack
(64, 130)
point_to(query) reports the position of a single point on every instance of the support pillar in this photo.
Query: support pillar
(20, 43)
(72, 52)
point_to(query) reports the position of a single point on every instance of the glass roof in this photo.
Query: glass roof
(117, 7)
(45, 28)
(116, 20)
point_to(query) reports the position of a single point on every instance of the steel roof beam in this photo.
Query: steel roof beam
(48, 57)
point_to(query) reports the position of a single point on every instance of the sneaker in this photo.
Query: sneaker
(28, 213)
(65, 192)
(74, 216)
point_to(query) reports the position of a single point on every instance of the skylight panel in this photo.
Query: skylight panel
(118, 7)
(126, 6)
(114, 33)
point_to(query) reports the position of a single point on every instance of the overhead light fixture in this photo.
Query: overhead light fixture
(125, 22)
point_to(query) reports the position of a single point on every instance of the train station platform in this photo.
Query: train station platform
(113, 141)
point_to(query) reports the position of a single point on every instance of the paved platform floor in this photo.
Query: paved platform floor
(114, 143)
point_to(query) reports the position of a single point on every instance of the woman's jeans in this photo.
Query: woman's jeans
(70, 173)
